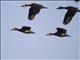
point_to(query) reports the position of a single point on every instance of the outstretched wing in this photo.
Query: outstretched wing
(61, 30)
(68, 17)
(31, 16)
(32, 12)
(26, 28)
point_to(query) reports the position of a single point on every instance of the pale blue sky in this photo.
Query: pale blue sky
(16, 45)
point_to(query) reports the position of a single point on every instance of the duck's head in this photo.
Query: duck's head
(50, 34)
(61, 7)
(14, 29)
(25, 5)
(42, 7)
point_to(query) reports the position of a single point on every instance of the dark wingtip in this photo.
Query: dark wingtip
(31, 17)
(66, 22)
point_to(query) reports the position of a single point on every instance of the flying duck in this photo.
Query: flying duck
(24, 29)
(71, 11)
(60, 33)
(34, 10)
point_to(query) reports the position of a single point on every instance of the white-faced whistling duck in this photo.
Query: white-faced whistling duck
(60, 33)
(34, 10)
(24, 29)
(70, 13)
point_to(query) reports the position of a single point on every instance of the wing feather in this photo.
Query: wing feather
(68, 17)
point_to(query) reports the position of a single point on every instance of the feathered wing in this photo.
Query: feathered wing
(68, 17)
(32, 13)
(26, 28)
(31, 16)
(61, 30)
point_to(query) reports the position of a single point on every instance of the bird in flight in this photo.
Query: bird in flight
(24, 29)
(71, 11)
(61, 32)
(34, 10)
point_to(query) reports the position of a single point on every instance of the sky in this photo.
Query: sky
(17, 45)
